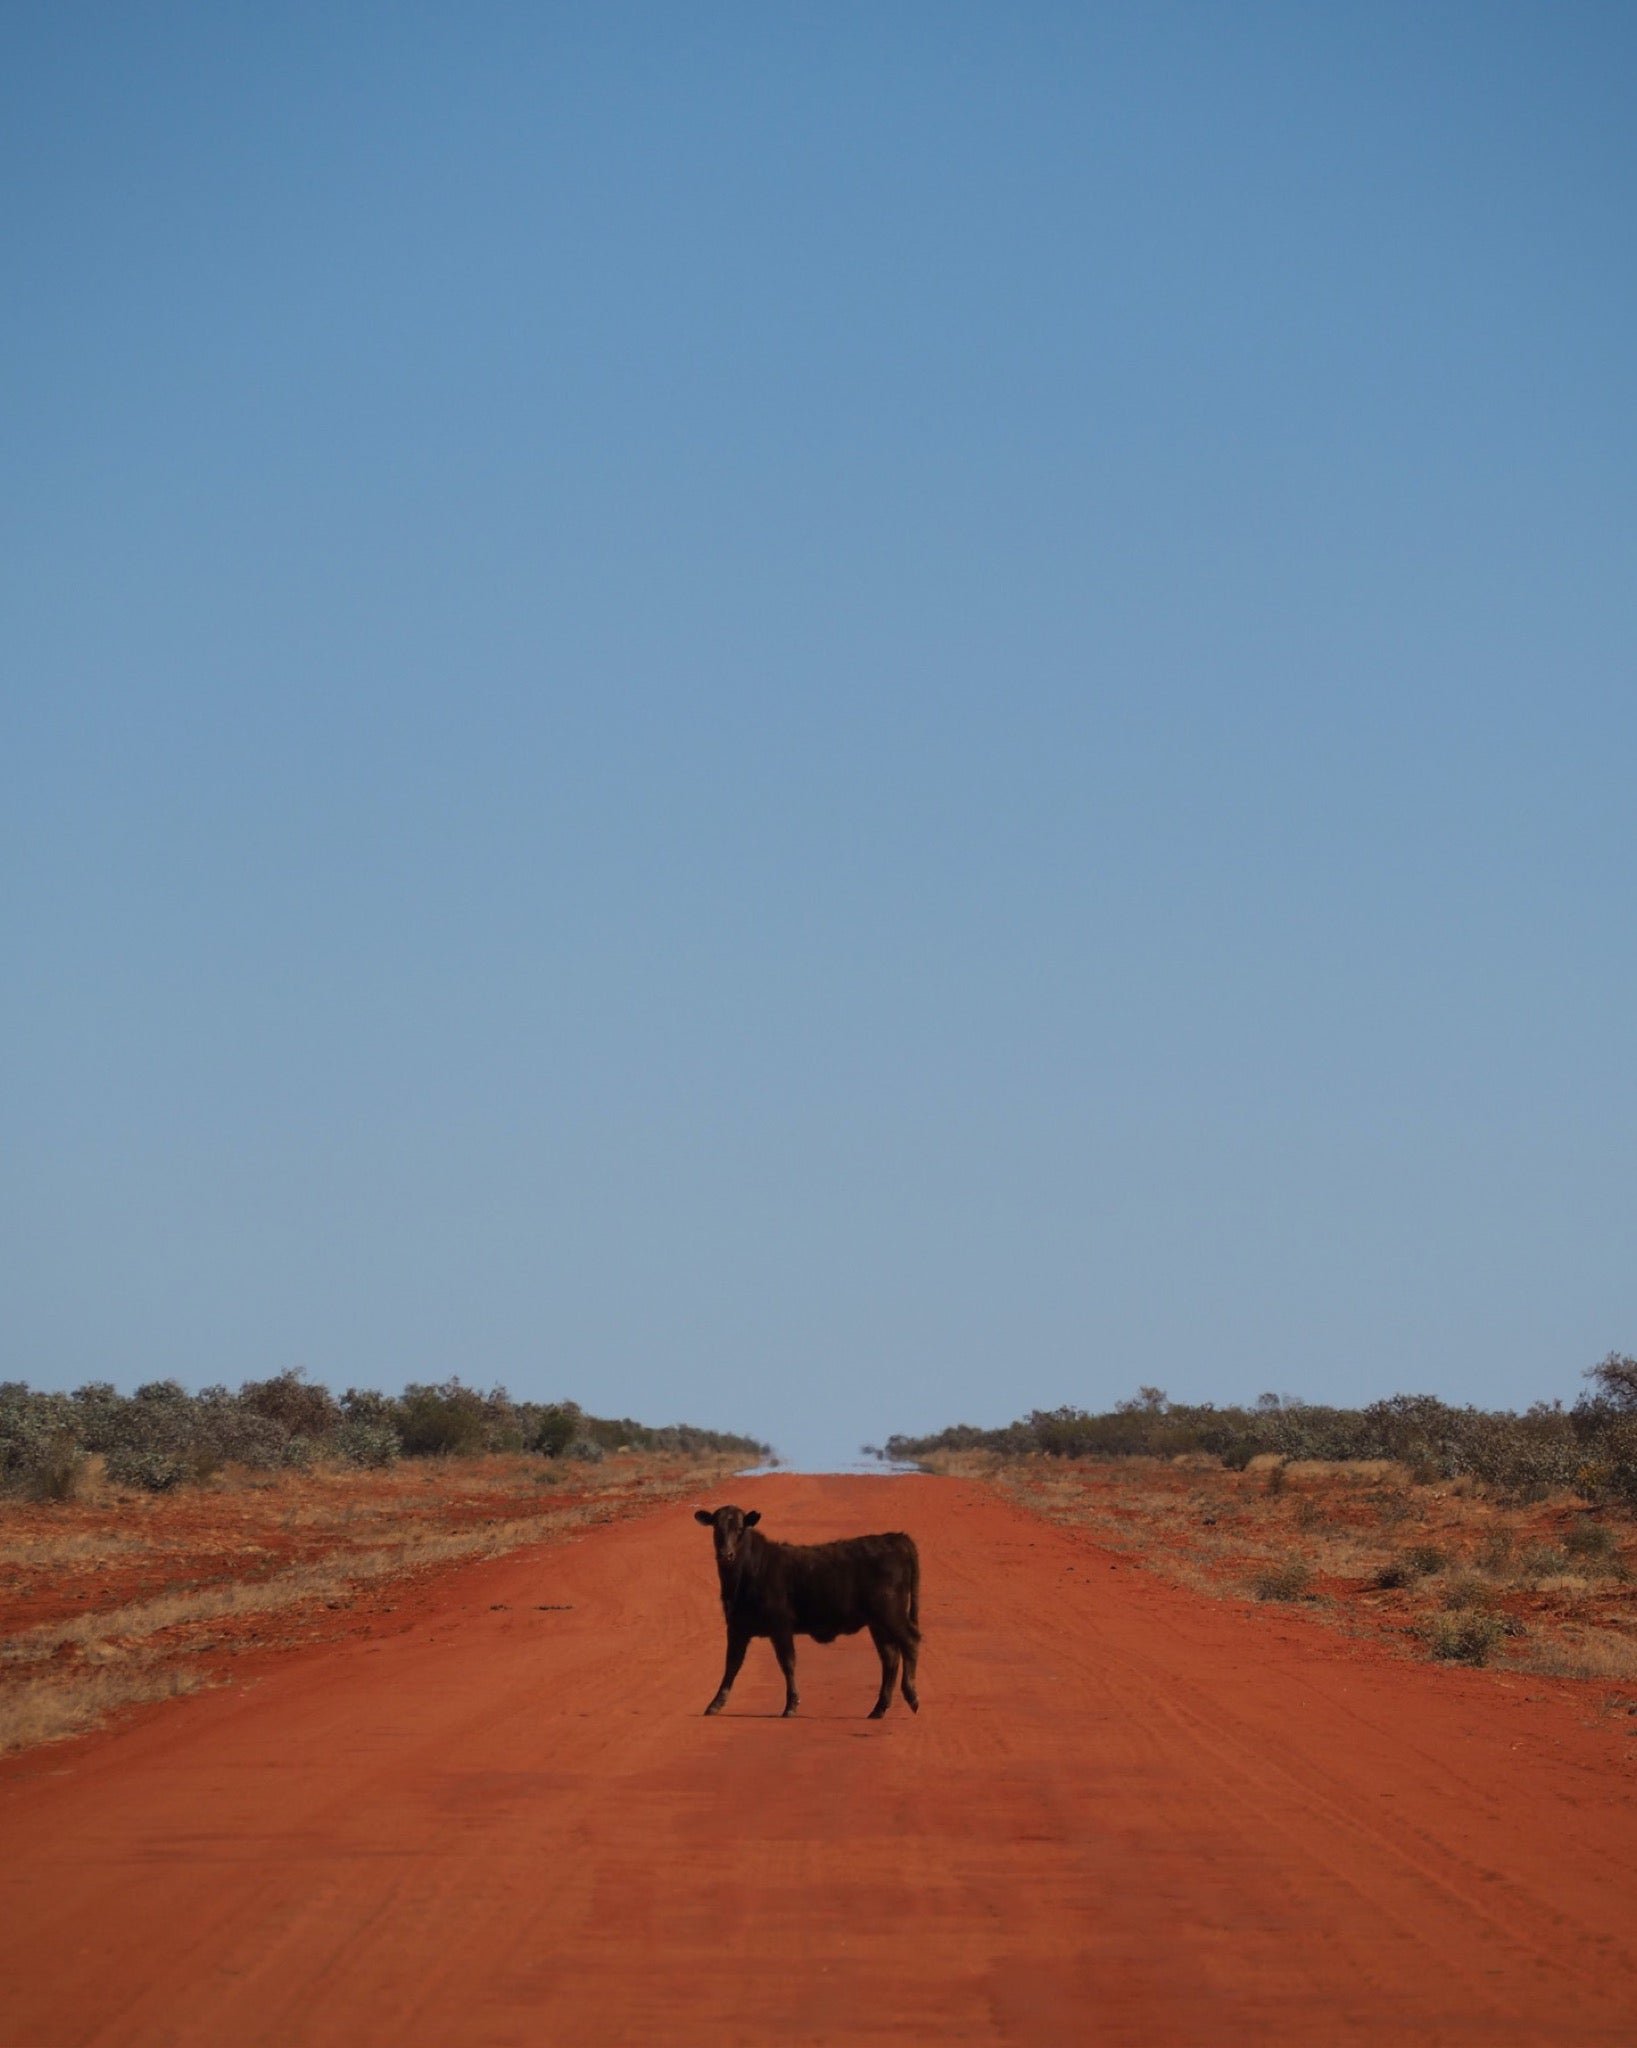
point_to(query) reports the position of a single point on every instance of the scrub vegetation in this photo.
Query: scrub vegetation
(162, 1437)
(1591, 1447)
(1469, 1536)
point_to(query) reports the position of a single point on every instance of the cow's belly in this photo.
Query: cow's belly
(825, 1628)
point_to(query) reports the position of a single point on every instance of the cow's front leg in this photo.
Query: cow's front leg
(737, 1646)
(784, 1648)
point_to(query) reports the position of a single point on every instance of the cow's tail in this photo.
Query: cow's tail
(914, 1590)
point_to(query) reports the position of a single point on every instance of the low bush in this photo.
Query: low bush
(1590, 1541)
(40, 1453)
(556, 1428)
(153, 1471)
(1497, 1552)
(366, 1443)
(56, 1470)
(440, 1422)
(299, 1409)
(1465, 1636)
(1466, 1591)
(1287, 1581)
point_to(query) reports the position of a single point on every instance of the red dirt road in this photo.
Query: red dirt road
(1125, 1814)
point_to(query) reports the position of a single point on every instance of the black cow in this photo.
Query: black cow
(822, 1590)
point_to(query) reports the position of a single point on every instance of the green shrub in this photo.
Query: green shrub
(297, 1408)
(38, 1441)
(367, 1443)
(555, 1429)
(440, 1422)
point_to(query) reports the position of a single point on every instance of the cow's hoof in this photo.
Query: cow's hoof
(877, 1713)
(715, 1707)
(912, 1703)
(788, 1712)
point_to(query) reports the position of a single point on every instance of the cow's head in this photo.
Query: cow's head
(728, 1526)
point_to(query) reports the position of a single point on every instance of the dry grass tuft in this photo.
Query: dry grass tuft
(1287, 1581)
(1466, 1590)
(47, 1709)
(1584, 1653)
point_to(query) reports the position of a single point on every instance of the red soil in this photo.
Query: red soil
(1126, 1814)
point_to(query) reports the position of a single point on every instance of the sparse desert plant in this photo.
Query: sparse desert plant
(1497, 1551)
(1465, 1635)
(1540, 1561)
(1277, 1477)
(1287, 1581)
(1420, 1561)
(1465, 1590)
(55, 1471)
(1590, 1653)
(153, 1471)
(1590, 1541)
(1424, 1559)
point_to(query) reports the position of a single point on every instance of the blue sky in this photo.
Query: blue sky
(827, 719)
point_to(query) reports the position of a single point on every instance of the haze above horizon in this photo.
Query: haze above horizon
(821, 722)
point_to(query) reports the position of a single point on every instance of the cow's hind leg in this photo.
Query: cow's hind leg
(906, 1684)
(737, 1646)
(784, 1648)
(887, 1649)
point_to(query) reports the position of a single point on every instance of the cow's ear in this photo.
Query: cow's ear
(753, 1518)
(704, 1515)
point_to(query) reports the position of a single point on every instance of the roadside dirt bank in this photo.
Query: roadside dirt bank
(1126, 1814)
(115, 1598)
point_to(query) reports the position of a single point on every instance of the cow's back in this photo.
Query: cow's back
(838, 1588)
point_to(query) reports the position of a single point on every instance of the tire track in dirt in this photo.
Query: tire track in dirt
(1126, 1814)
